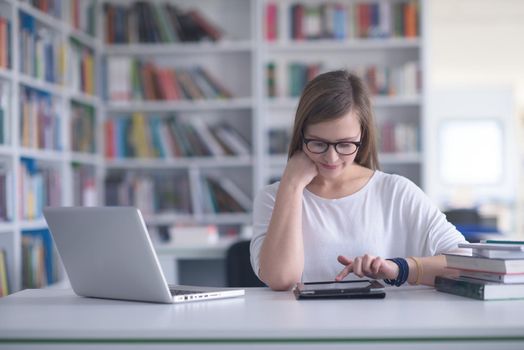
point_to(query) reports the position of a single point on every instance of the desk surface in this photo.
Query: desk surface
(410, 313)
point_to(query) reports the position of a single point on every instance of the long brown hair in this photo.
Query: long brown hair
(330, 96)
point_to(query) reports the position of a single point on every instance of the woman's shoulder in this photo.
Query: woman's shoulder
(394, 183)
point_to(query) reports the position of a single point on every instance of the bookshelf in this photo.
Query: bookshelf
(174, 115)
(49, 150)
(115, 139)
(303, 38)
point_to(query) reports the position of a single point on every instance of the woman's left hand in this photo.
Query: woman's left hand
(367, 266)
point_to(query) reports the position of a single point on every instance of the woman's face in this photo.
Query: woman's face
(330, 163)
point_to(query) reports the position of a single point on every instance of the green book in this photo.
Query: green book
(479, 289)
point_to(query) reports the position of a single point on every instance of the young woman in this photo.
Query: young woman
(333, 212)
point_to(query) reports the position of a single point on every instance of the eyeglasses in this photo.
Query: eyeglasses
(344, 148)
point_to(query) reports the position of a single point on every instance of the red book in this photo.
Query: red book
(75, 14)
(110, 24)
(364, 20)
(298, 20)
(166, 89)
(410, 20)
(147, 73)
(271, 21)
(211, 30)
(3, 42)
(110, 139)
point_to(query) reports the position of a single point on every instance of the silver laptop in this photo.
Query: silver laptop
(108, 253)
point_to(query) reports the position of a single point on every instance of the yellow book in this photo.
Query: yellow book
(138, 135)
(4, 289)
(62, 62)
(30, 205)
(90, 75)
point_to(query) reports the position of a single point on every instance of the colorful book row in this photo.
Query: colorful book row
(83, 128)
(143, 22)
(6, 193)
(155, 193)
(279, 140)
(5, 100)
(402, 80)
(170, 137)
(83, 16)
(39, 259)
(5, 43)
(42, 51)
(82, 68)
(131, 79)
(84, 185)
(222, 195)
(50, 7)
(341, 21)
(398, 137)
(298, 76)
(40, 186)
(40, 124)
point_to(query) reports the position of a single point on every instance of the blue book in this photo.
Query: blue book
(340, 23)
(47, 242)
(155, 134)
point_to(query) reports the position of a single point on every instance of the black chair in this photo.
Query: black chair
(469, 222)
(463, 216)
(238, 267)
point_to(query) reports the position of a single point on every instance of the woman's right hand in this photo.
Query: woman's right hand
(300, 169)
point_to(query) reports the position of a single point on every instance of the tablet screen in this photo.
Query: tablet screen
(336, 285)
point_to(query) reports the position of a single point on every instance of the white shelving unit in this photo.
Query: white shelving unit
(232, 60)
(278, 111)
(239, 61)
(13, 151)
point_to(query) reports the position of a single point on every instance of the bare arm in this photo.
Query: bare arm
(427, 268)
(282, 253)
(421, 270)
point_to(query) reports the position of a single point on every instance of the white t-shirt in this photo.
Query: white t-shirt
(389, 217)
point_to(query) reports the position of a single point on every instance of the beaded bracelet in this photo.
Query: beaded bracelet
(403, 272)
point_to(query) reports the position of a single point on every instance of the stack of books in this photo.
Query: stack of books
(494, 270)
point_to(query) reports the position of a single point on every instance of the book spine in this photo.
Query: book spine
(459, 287)
(271, 21)
(4, 287)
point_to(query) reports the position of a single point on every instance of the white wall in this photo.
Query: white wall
(476, 41)
(479, 43)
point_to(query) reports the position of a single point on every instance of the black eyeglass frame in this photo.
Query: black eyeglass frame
(334, 144)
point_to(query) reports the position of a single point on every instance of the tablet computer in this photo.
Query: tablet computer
(356, 289)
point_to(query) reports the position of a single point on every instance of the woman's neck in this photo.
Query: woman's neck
(352, 181)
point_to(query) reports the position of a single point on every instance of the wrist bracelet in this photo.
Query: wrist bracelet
(403, 272)
(419, 270)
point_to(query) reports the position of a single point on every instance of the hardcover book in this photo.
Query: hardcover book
(475, 263)
(495, 250)
(494, 277)
(478, 289)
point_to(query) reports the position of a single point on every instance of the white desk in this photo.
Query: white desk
(409, 318)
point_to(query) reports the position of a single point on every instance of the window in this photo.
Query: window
(471, 152)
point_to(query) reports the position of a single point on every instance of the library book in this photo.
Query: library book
(478, 289)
